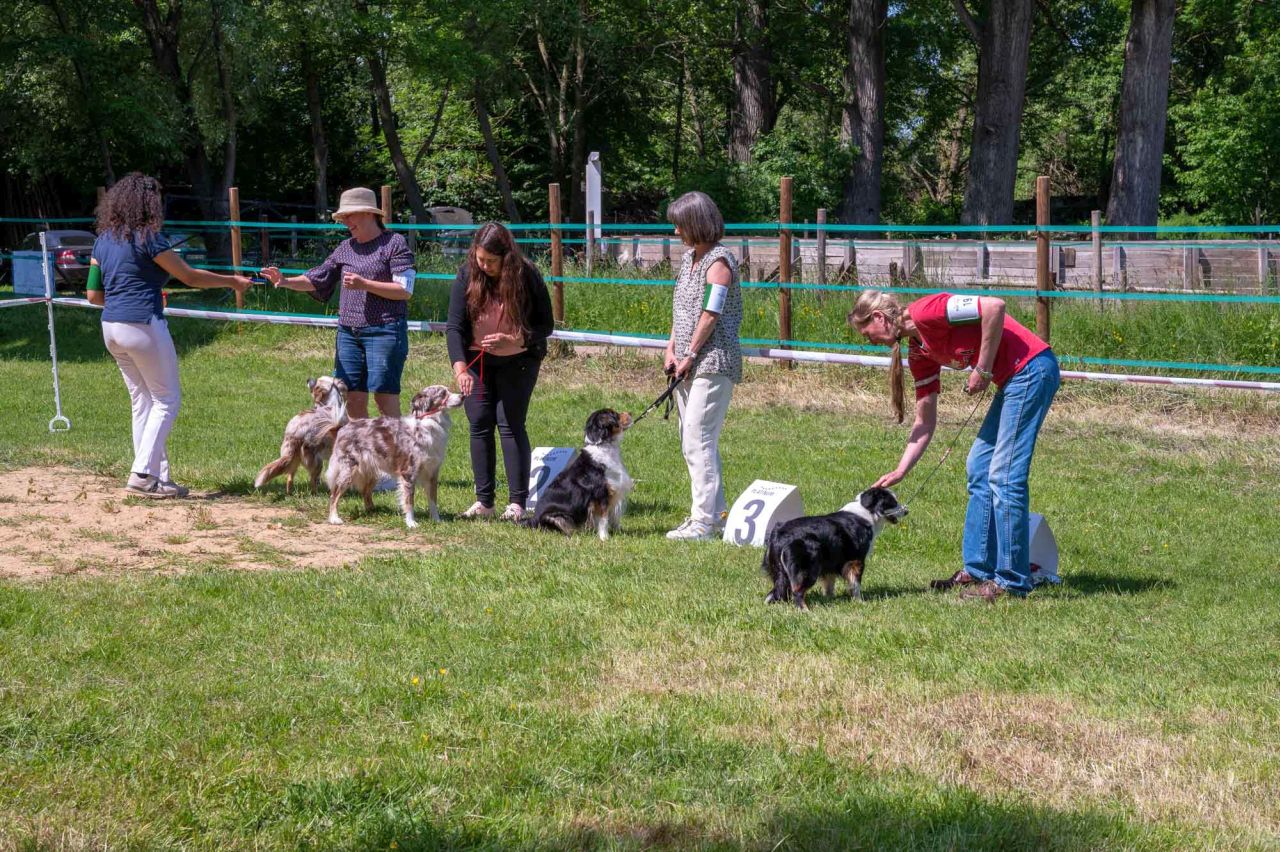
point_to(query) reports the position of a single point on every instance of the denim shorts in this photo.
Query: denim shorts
(371, 359)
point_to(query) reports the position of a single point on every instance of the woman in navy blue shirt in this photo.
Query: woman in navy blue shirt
(132, 260)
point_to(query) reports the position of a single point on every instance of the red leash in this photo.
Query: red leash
(479, 358)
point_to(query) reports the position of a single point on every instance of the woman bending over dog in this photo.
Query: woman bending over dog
(703, 353)
(131, 262)
(973, 332)
(499, 322)
(374, 270)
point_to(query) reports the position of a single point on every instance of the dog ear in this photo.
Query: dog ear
(420, 403)
(340, 385)
(311, 384)
(600, 426)
(868, 499)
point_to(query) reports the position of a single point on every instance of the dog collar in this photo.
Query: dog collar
(430, 412)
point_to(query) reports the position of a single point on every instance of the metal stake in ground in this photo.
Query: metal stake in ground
(59, 423)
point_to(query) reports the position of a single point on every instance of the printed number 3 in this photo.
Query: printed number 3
(752, 510)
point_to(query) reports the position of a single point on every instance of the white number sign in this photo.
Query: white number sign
(546, 464)
(1044, 552)
(759, 509)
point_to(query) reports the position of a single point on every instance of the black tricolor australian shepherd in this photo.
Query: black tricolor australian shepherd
(800, 552)
(593, 488)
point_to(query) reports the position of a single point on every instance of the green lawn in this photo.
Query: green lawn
(508, 690)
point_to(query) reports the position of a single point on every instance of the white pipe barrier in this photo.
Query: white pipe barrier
(652, 343)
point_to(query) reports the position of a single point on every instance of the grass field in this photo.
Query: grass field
(504, 690)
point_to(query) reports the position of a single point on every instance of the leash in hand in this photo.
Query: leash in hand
(666, 396)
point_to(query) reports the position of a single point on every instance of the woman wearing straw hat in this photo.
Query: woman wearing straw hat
(131, 262)
(974, 332)
(375, 272)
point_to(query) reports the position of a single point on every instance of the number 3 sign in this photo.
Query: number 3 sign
(759, 509)
(544, 466)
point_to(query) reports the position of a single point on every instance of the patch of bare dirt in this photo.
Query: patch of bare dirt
(57, 521)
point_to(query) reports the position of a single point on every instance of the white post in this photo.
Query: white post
(594, 185)
(59, 423)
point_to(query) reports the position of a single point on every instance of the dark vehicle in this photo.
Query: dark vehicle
(70, 252)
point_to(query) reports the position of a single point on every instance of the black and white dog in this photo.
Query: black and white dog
(802, 551)
(593, 488)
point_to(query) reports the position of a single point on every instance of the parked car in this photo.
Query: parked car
(70, 250)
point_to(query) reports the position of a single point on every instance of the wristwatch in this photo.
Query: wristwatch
(689, 353)
(986, 374)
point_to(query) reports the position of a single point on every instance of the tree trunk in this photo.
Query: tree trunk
(678, 138)
(226, 95)
(754, 110)
(391, 132)
(162, 37)
(319, 143)
(862, 119)
(578, 166)
(495, 160)
(1004, 38)
(1144, 96)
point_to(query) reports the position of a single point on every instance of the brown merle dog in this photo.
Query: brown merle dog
(410, 448)
(308, 439)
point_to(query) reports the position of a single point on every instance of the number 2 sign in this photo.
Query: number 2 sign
(759, 509)
(544, 466)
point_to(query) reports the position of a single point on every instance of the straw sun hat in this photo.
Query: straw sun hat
(358, 200)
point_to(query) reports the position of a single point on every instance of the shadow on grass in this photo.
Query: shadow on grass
(1089, 583)
(26, 334)
(942, 819)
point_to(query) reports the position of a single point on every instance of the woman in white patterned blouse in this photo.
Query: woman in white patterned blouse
(703, 353)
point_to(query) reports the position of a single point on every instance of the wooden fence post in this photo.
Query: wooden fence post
(1190, 268)
(293, 238)
(784, 263)
(1044, 281)
(557, 254)
(233, 210)
(821, 220)
(264, 241)
(386, 205)
(1095, 238)
(981, 262)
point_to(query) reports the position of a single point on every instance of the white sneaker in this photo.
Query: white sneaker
(693, 530)
(513, 512)
(145, 485)
(478, 510)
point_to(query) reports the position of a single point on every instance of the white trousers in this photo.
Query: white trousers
(149, 364)
(703, 403)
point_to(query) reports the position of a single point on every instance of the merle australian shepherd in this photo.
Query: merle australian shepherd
(802, 551)
(593, 488)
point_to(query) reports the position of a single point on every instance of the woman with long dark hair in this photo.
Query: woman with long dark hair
(499, 321)
(131, 261)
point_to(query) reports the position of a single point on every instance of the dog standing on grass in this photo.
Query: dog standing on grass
(308, 439)
(410, 448)
(802, 551)
(593, 488)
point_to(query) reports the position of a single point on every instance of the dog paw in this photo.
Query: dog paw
(335, 520)
(411, 524)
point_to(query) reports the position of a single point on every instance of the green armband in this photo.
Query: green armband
(95, 278)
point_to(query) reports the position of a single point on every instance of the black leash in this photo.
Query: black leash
(950, 447)
(665, 396)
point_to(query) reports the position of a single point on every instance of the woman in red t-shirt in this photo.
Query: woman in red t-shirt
(974, 333)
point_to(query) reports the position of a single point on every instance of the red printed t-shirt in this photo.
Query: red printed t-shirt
(950, 329)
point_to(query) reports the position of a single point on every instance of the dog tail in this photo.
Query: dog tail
(549, 521)
(289, 458)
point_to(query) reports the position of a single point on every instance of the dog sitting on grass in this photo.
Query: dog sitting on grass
(802, 551)
(592, 490)
(308, 439)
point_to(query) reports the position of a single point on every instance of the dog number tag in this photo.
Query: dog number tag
(546, 464)
(759, 509)
(1044, 552)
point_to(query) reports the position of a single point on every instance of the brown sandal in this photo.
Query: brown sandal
(960, 578)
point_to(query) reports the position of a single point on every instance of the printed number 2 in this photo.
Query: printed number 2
(752, 510)
(540, 474)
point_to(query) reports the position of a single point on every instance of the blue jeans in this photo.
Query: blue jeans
(371, 359)
(997, 520)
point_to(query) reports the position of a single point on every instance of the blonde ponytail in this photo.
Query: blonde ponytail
(867, 303)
